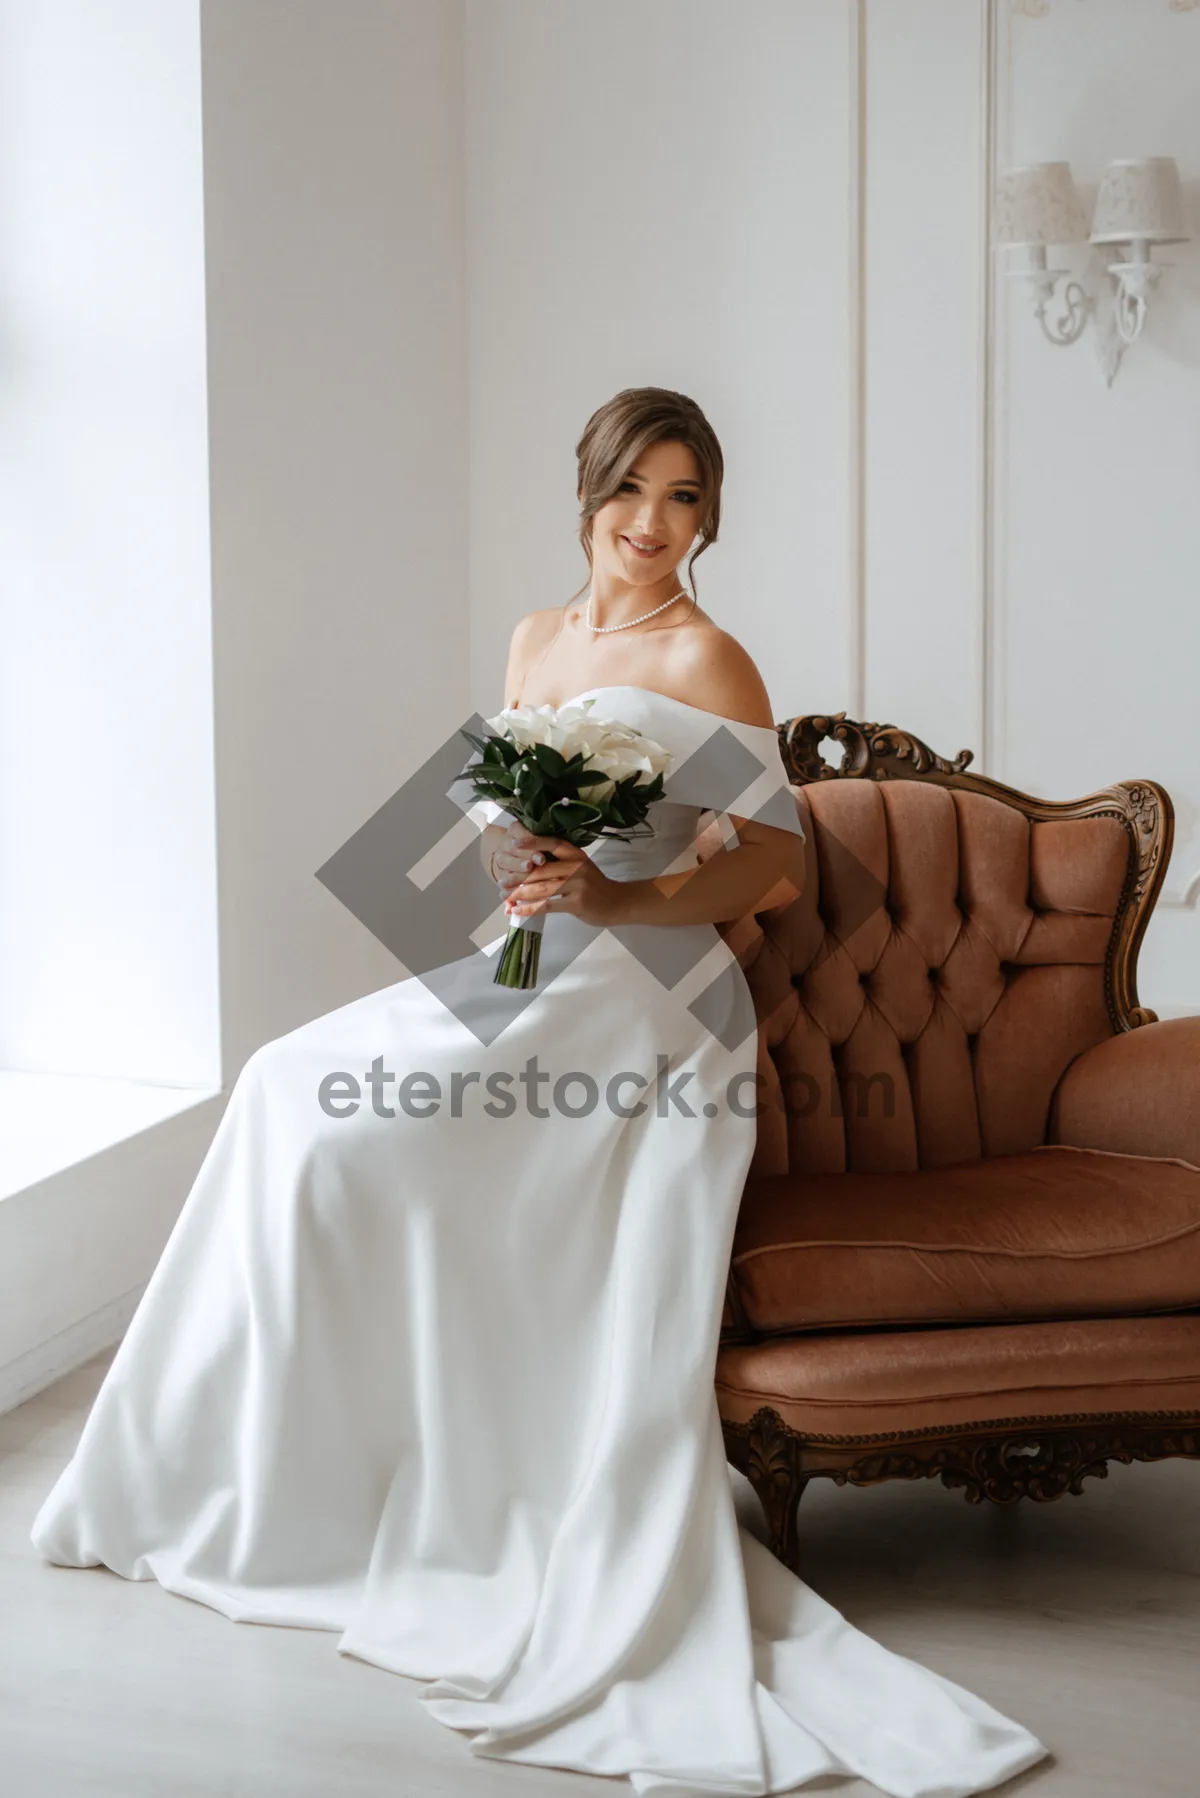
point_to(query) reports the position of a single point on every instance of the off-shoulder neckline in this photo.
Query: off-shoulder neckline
(735, 723)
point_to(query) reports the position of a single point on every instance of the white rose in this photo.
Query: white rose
(617, 749)
(618, 760)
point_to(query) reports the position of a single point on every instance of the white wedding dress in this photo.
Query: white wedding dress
(443, 1383)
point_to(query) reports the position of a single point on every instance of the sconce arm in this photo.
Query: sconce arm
(1067, 328)
(1135, 282)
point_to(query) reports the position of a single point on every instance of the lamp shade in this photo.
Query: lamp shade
(1140, 197)
(1037, 203)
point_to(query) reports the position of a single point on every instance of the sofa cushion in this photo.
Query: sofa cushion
(1058, 1232)
(885, 1381)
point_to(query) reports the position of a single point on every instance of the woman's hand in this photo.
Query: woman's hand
(570, 883)
(513, 857)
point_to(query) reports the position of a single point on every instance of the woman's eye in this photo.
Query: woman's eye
(683, 494)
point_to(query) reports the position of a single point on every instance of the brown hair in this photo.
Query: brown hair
(615, 437)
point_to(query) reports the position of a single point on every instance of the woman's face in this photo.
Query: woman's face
(657, 504)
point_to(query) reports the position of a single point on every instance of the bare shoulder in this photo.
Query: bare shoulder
(537, 628)
(719, 675)
(532, 635)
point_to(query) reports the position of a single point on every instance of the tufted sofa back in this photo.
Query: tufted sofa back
(956, 946)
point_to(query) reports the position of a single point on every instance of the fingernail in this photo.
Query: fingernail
(538, 858)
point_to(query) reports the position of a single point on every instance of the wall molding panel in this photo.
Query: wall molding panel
(920, 394)
(985, 608)
(989, 571)
(856, 610)
(1094, 524)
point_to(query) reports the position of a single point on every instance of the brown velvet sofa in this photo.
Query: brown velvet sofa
(969, 1244)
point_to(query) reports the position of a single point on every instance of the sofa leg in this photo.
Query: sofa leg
(772, 1465)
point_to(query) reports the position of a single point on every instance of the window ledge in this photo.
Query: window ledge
(49, 1122)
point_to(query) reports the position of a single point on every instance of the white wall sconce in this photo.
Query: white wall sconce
(1037, 205)
(1140, 203)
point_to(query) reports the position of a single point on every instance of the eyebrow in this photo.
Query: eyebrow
(683, 483)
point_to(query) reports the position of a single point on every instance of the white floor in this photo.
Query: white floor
(1081, 1618)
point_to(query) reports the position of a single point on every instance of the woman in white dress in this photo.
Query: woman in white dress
(440, 1379)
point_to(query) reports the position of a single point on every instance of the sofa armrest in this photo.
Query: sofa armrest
(1137, 1093)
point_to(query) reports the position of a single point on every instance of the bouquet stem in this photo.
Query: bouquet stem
(518, 963)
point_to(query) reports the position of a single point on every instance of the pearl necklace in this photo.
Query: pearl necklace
(598, 629)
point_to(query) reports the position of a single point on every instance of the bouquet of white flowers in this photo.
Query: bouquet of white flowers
(561, 772)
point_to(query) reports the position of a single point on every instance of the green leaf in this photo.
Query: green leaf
(550, 760)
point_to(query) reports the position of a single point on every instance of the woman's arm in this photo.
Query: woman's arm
(766, 869)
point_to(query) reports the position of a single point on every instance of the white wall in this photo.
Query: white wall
(332, 182)
(1097, 626)
(657, 195)
(333, 169)
(1030, 535)
(921, 443)
(932, 518)
(108, 898)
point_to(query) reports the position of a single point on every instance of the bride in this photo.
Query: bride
(440, 1380)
